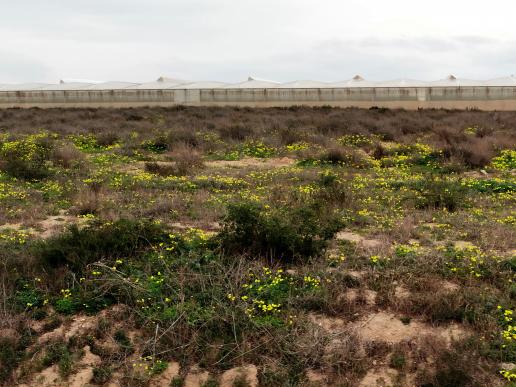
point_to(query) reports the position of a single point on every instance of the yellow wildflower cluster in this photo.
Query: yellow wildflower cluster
(507, 320)
(51, 189)
(18, 237)
(267, 307)
(149, 365)
(336, 258)
(231, 297)
(403, 250)
(258, 149)
(311, 281)
(9, 192)
(509, 375)
(466, 260)
(157, 279)
(297, 146)
(510, 219)
(307, 189)
(377, 260)
(355, 140)
(26, 148)
(506, 161)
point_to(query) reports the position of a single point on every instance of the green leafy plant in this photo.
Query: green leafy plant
(284, 233)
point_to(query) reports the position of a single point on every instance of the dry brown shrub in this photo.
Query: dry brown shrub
(67, 156)
(187, 159)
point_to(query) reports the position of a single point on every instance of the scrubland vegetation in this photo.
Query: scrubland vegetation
(230, 246)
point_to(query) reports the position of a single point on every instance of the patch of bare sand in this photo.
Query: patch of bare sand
(46, 228)
(462, 244)
(401, 292)
(8, 333)
(11, 226)
(47, 378)
(85, 374)
(363, 295)
(55, 224)
(349, 236)
(252, 162)
(316, 378)
(379, 377)
(357, 274)
(388, 328)
(449, 286)
(329, 324)
(196, 377)
(78, 325)
(50, 377)
(249, 373)
(368, 243)
(164, 379)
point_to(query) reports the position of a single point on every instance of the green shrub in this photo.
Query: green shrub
(9, 358)
(121, 338)
(159, 144)
(65, 306)
(177, 381)
(58, 353)
(80, 247)
(284, 233)
(435, 193)
(101, 374)
(27, 296)
(398, 360)
(492, 185)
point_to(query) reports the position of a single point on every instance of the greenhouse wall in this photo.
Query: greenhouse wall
(474, 97)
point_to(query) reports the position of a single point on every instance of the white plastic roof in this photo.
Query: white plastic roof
(23, 86)
(453, 81)
(154, 85)
(115, 85)
(252, 83)
(160, 83)
(402, 83)
(201, 85)
(76, 80)
(356, 81)
(505, 81)
(172, 80)
(304, 84)
(68, 86)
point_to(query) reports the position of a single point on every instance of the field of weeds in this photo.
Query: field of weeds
(245, 247)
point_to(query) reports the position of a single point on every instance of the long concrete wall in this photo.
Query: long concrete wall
(478, 97)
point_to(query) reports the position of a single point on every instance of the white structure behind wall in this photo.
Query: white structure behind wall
(451, 93)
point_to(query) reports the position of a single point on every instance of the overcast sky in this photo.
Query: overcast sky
(283, 40)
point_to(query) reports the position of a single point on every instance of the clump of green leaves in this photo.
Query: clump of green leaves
(58, 353)
(437, 193)
(80, 247)
(285, 233)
